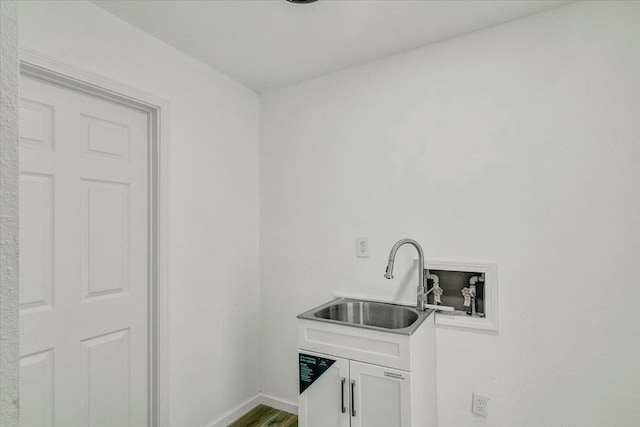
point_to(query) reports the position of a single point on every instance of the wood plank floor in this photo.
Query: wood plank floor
(265, 416)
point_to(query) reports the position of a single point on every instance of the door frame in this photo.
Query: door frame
(38, 66)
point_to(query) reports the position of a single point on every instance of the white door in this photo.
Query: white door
(381, 396)
(325, 402)
(83, 260)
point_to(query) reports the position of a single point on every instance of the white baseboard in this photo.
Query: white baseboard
(236, 413)
(279, 404)
(258, 399)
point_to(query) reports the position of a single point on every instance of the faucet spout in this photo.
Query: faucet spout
(422, 291)
(389, 271)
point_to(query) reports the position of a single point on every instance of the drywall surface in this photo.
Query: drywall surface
(516, 144)
(213, 187)
(9, 73)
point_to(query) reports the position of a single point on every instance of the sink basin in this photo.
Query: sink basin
(368, 314)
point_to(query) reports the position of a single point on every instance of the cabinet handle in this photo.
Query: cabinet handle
(344, 408)
(353, 401)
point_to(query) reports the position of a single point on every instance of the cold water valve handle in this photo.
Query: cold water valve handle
(470, 294)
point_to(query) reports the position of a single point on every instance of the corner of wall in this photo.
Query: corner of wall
(9, 77)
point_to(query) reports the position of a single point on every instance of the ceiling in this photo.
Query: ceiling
(265, 44)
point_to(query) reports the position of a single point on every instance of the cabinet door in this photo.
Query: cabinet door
(324, 391)
(381, 396)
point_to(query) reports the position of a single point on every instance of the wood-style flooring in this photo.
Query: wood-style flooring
(265, 416)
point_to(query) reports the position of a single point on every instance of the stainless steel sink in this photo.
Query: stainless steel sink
(368, 314)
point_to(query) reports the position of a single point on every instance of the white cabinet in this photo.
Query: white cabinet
(353, 377)
(355, 394)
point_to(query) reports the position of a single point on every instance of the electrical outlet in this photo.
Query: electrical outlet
(362, 247)
(480, 405)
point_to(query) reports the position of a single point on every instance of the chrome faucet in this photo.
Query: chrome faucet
(422, 290)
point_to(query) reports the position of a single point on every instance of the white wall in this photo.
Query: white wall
(518, 144)
(213, 175)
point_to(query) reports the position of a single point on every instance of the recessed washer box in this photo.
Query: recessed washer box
(455, 275)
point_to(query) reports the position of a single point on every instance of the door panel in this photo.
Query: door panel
(326, 402)
(36, 238)
(36, 389)
(106, 382)
(382, 396)
(105, 238)
(84, 259)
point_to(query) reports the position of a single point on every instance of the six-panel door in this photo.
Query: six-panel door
(83, 260)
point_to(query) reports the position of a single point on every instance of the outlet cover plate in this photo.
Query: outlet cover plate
(362, 247)
(480, 405)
